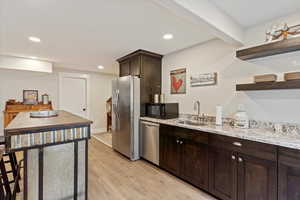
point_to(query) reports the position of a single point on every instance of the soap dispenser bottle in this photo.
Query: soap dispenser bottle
(241, 119)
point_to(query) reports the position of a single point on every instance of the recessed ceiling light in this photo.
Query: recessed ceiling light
(100, 67)
(168, 36)
(34, 39)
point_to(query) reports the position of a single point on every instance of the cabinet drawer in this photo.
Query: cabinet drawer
(260, 150)
(192, 135)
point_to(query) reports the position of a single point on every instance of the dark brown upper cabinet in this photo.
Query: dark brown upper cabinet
(134, 63)
(147, 66)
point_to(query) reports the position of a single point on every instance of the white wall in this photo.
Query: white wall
(217, 56)
(12, 84)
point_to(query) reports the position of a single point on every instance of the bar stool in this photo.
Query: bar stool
(15, 171)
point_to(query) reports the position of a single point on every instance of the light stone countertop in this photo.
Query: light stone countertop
(257, 135)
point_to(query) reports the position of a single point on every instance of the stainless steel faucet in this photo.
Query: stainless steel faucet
(197, 107)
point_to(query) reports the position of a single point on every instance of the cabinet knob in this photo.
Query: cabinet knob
(240, 159)
(237, 144)
(233, 157)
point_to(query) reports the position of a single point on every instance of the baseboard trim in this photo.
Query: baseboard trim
(98, 130)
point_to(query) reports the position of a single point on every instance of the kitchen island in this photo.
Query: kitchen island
(55, 154)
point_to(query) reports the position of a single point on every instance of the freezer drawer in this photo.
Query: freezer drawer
(149, 144)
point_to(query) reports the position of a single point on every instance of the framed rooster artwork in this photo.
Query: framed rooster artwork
(178, 81)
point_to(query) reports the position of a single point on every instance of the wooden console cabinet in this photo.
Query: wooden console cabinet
(12, 109)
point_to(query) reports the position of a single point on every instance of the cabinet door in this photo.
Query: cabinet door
(222, 173)
(125, 68)
(289, 174)
(169, 150)
(257, 178)
(135, 65)
(289, 182)
(194, 163)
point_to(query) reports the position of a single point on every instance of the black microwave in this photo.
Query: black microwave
(162, 110)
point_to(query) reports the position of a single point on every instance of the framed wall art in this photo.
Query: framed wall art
(178, 81)
(30, 96)
(204, 79)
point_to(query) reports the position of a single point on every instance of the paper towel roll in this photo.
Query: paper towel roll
(219, 115)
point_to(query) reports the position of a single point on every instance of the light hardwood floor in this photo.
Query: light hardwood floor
(113, 177)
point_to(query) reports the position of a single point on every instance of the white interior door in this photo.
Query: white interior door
(73, 95)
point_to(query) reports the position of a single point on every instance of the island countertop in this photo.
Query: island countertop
(23, 122)
(1, 151)
(256, 135)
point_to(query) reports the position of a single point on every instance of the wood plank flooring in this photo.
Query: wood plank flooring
(113, 177)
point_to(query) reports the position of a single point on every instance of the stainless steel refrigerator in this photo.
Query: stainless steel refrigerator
(125, 116)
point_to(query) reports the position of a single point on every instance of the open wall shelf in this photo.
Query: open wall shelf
(269, 49)
(293, 84)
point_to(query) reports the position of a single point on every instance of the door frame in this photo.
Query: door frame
(78, 76)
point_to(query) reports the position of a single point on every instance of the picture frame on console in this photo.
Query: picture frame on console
(30, 97)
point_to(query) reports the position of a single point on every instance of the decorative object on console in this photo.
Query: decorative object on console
(45, 99)
(178, 81)
(292, 76)
(30, 97)
(204, 79)
(265, 78)
(275, 32)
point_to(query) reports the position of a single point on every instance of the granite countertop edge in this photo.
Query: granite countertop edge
(256, 135)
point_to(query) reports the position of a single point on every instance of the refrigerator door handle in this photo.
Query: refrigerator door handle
(117, 105)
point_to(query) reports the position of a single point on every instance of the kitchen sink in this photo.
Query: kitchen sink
(192, 122)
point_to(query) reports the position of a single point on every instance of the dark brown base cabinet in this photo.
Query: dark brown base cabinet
(184, 153)
(289, 174)
(230, 168)
(222, 174)
(242, 170)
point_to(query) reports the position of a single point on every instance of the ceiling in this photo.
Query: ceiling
(82, 34)
(249, 13)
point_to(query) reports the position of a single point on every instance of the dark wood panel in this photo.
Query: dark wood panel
(169, 152)
(197, 137)
(222, 174)
(146, 65)
(125, 68)
(260, 150)
(288, 174)
(194, 163)
(257, 178)
(270, 49)
(292, 84)
(135, 65)
(150, 80)
(140, 52)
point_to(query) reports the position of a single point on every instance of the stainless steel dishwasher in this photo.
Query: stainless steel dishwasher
(149, 141)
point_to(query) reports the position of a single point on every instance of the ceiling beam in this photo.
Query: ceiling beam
(206, 13)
